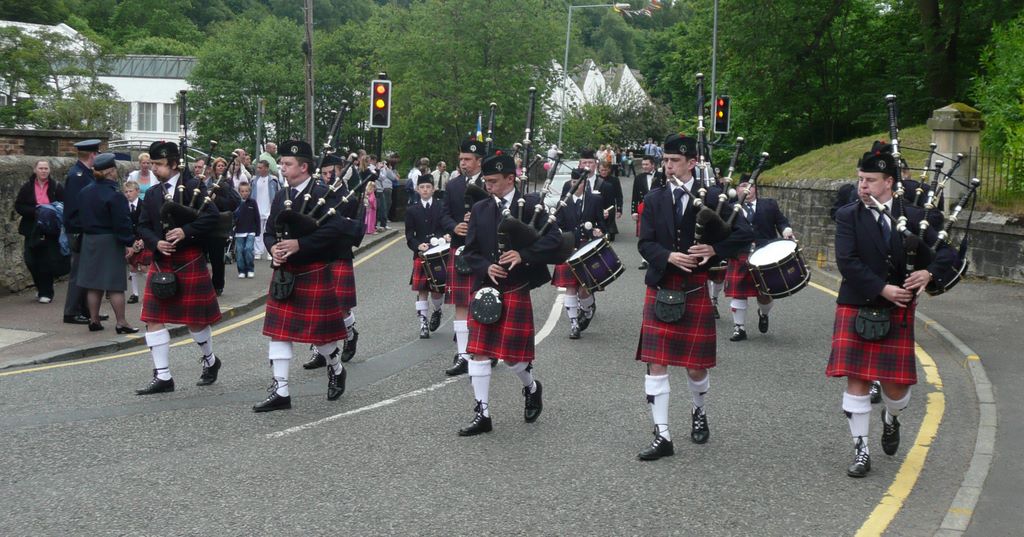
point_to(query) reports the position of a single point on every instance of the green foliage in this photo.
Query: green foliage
(626, 123)
(137, 19)
(36, 11)
(157, 45)
(1000, 91)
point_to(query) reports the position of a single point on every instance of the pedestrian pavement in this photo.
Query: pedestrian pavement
(34, 333)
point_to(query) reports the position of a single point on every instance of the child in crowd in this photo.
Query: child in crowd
(371, 208)
(247, 227)
(138, 263)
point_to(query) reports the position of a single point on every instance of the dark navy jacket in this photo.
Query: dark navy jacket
(592, 212)
(247, 217)
(322, 244)
(640, 188)
(151, 229)
(867, 264)
(78, 177)
(482, 246)
(768, 222)
(455, 207)
(421, 225)
(104, 211)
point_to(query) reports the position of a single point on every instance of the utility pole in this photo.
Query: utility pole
(308, 49)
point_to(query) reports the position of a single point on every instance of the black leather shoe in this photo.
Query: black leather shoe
(762, 322)
(435, 320)
(584, 319)
(348, 349)
(480, 424)
(460, 367)
(157, 386)
(738, 334)
(335, 383)
(574, 329)
(316, 361)
(95, 327)
(714, 308)
(125, 330)
(76, 319)
(659, 448)
(273, 401)
(534, 403)
(209, 374)
(875, 392)
(890, 435)
(494, 363)
(861, 461)
(699, 432)
(134, 299)
(643, 265)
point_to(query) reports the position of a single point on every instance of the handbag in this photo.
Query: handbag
(486, 306)
(282, 284)
(461, 265)
(872, 323)
(670, 305)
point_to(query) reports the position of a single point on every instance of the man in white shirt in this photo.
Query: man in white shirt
(264, 188)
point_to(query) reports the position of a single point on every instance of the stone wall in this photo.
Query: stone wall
(996, 245)
(14, 172)
(45, 142)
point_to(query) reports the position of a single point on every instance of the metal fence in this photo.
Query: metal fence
(1001, 174)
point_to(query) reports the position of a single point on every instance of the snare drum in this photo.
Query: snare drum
(595, 265)
(435, 266)
(778, 269)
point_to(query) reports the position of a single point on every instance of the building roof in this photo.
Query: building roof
(150, 66)
(78, 41)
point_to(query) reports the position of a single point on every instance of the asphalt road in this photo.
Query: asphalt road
(82, 455)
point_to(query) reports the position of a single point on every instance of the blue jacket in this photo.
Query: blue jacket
(258, 182)
(247, 217)
(421, 225)
(592, 212)
(78, 177)
(104, 211)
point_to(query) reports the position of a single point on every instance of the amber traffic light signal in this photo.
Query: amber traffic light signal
(722, 114)
(380, 104)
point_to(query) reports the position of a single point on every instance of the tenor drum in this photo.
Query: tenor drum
(435, 266)
(778, 268)
(596, 265)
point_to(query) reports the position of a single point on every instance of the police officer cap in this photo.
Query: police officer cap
(163, 150)
(89, 145)
(471, 145)
(295, 148)
(499, 162)
(587, 152)
(104, 161)
(425, 178)
(681, 144)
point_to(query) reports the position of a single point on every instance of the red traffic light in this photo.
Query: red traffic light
(380, 104)
(380, 89)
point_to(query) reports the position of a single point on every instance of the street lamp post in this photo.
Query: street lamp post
(565, 65)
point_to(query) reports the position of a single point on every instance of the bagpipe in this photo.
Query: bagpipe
(175, 211)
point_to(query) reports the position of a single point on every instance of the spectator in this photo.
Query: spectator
(42, 251)
(247, 227)
(107, 240)
(441, 176)
(217, 169)
(143, 176)
(388, 182)
(138, 263)
(371, 208)
(264, 187)
(269, 156)
(226, 200)
(199, 169)
(238, 171)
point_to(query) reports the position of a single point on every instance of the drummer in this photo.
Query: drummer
(767, 222)
(423, 229)
(582, 214)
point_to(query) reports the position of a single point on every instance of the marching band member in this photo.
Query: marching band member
(598, 185)
(514, 273)
(308, 309)
(642, 184)
(456, 224)
(584, 207)
(873, 336)
(423, 223)
(177, 248)
(767, 222)
(677, 336)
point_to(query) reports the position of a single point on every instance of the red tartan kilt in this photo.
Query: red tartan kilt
(509, 339)
(691, 342)
(418, 280)
(140, 259)
(563, 276)
(345, 281)
(888, 360)
(739, 283)
(459, 287)
(195, 304)
(717, 276)
(312, 314)
(640, 213)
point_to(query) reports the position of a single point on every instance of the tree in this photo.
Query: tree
(623, 120)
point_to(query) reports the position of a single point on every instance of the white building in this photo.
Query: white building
(149, 87)
(588, 84)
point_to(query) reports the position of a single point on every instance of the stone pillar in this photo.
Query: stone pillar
(956, 128)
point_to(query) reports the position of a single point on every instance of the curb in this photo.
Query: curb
(961, 509)
(128, 342)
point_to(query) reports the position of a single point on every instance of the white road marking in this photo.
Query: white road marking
(549, 326)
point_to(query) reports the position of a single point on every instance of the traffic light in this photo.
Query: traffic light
(380, 104)
(721, 114)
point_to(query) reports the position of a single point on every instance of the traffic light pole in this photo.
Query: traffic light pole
(380, 145)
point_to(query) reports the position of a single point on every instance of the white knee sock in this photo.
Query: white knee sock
(327, 351)
(204, 338)
(893, 407)
(461, 335)
(572, 306)
(858, 413)
(480, 378)
(765, 308)
(716, 288)
(739, 311)
(350, 322)
(280, 358)
(159, 343)
(699, 388)
(525, 373)
(657, 389)
(587, 303)
(436, 302)
(421, 308)
(133, 277)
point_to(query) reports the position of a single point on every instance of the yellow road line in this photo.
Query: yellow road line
(224, 329)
